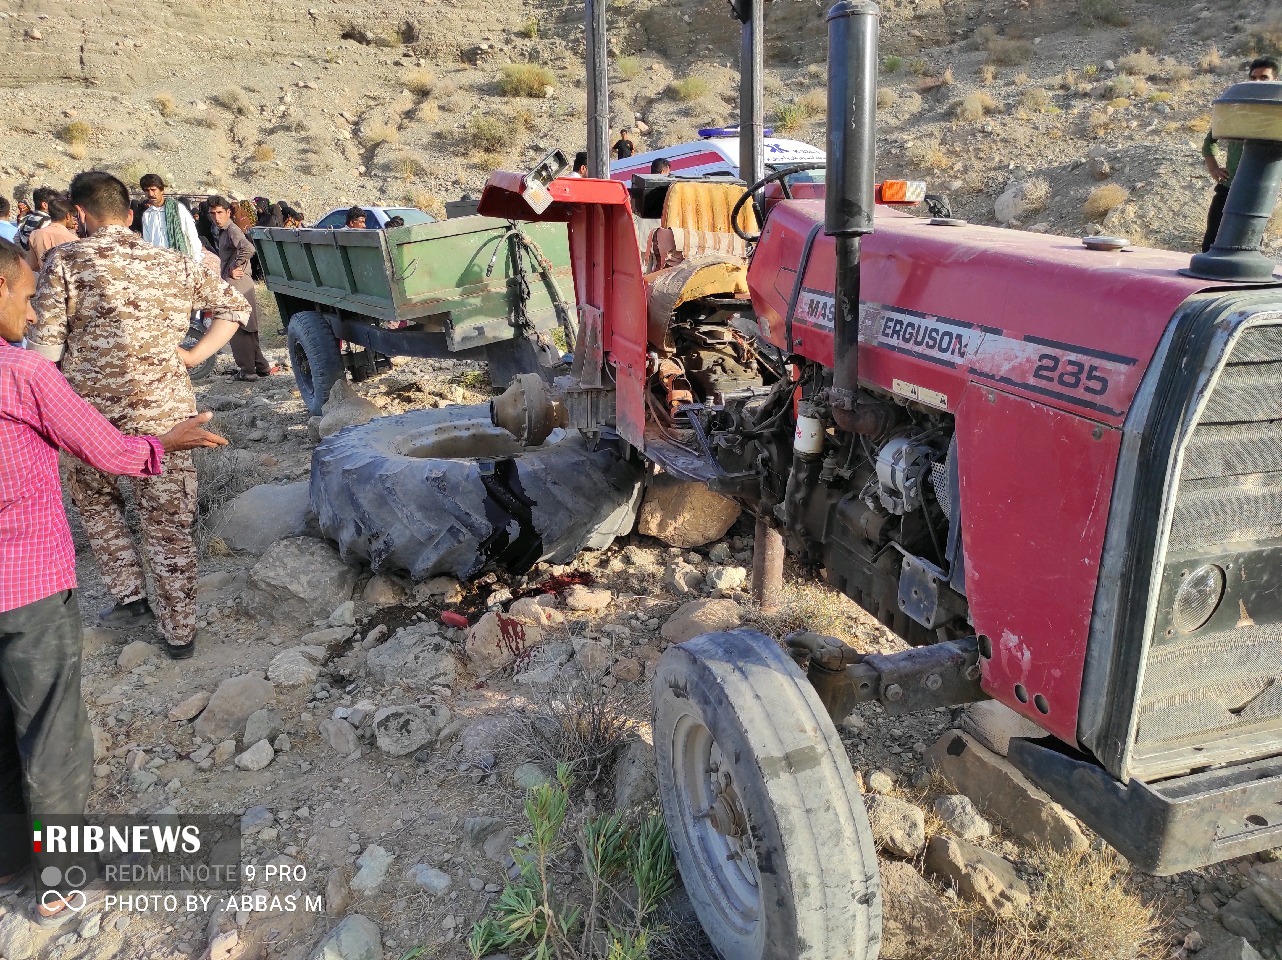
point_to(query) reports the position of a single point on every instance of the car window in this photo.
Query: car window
(332, 221)
(410, 215)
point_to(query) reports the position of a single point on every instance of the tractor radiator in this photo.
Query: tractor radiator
(1212, 693)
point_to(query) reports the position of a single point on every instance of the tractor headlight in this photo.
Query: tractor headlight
(1197, 598)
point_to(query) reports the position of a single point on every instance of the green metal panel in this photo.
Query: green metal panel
(423, 270)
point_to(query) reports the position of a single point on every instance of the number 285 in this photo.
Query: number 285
(1071, 374)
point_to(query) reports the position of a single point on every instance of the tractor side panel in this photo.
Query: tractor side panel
(1036, 484)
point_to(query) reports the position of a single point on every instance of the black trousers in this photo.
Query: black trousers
(1215, 215)
(46, 747)
(248, 353)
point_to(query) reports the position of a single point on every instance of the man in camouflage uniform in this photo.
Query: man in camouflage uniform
(114, 310)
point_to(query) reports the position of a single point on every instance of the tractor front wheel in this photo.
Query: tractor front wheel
(766, 819)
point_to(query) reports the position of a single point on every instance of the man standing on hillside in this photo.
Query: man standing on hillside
(114, 310)
(38, 216)
(235, 251)
(624, 147)
(1262, 68)
(60, 229)
(165, 221)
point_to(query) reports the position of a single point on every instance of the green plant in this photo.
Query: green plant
(690, 88)
(892, 64)
(627, 869)
(487, 134)
(1107, 13)
(76, 133)
(529, 29)
(789, 118)
(419, 82)
(629, 67)
(525, 80)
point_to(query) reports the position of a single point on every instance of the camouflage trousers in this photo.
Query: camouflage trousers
(167, 508)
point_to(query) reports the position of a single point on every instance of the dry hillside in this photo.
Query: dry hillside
(326, 103)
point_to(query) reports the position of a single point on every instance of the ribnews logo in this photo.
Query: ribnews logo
(157, 852)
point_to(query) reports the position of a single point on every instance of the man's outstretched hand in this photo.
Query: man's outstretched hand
(191, 433)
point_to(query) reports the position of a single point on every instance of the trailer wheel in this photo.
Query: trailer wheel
(766, 819)
(445, 491)
(201, 371)
(315, 357)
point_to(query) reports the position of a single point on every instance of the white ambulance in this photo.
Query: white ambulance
(716, 153)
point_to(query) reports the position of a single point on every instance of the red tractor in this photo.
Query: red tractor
(1056, 471)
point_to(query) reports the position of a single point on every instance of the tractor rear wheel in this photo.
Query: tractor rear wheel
(315, 356)
(766, 819)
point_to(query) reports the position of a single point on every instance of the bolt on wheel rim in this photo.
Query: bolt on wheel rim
(715, 824)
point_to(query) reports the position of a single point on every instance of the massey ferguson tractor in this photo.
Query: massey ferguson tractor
(1054, 470)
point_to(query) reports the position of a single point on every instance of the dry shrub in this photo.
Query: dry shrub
(408, 166)
(1211, 62)
(1263, 38)
(78, 151)
(1107, 13)
(1081, 909)
(690, 88)
(529, 29)
(1200, 124)
(487, 134)
(1035, 99)
(929, 156)
(166, 105)
(221, 476)
(1068, 80)
(377, 133)
(1181, 74)
(1099, 122)
(886, 98)
(810, 605)
(76, 132)
(1103, 200)
(1009, 51)
(580, 722)
(525, 80)
(975, 107)
(1119, 103)
(987, 73)
(426, 201)
(1141, 63)
(233, 100)
(815, 102)
(263, 154)
(629, 67)
(419, 82)
(1037, 194)
(1149, 35)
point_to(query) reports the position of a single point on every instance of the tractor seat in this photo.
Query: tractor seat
(696, 222)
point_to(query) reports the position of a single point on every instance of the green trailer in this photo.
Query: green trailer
(473, 287)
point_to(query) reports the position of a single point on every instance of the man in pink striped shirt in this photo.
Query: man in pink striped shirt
(46, 749)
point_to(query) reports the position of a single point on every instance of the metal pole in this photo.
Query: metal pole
(767, 568)
(752, 125)
(598, 90)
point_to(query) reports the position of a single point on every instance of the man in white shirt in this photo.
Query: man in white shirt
(167, 223)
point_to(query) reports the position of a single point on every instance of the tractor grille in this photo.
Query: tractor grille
(1209, 696)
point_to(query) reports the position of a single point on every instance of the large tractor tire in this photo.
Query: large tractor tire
(766, 819)
(315, 356)
(434, 492)
(201, 371)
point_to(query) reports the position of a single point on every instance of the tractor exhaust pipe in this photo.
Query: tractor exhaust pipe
(848, 214)
(1251, 112)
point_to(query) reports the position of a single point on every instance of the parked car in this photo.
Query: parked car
(375, 217)
(717, 154)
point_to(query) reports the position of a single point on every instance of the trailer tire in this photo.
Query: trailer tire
(202, 370)
(315, 356)
(793, 876)
(434, 492)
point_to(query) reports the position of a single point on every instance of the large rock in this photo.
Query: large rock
(296, 666)
(263, 724)
(301, 577)
(699, 617)
(539, 610)
(135, 654)
(994, 725)
(915, 921)
(16, 940)
(898, 826)
(958, 811)
(345, 408)
(256, 757)
(416, 656)
(1003, 793)
(978, 875)
(497, 641)
(231, 705)
(402, 730)
(1266, 884)
(264, 514)
(355, 938)
(684, 514)
(1234, 948)
(1020, 198)
(373, 863)
(190, 708)
(636, 777)
(340, 735)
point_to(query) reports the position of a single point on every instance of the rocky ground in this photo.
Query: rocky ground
(377, 734)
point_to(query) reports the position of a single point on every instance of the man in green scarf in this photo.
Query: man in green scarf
(165, 222)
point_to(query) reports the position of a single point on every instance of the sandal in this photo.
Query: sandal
(73, 905)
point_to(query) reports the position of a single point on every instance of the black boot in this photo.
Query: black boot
(124, 616)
